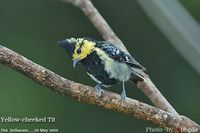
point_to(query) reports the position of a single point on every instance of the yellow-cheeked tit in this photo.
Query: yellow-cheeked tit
(103, 62)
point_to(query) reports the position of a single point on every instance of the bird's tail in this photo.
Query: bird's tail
(137, 75)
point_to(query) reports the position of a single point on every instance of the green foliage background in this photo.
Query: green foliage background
(32, 28)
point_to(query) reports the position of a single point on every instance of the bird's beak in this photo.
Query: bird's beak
(76, 61)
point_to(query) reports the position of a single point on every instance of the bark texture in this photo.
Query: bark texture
(147, 86)
(87, 94)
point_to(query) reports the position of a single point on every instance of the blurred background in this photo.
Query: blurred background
(32, 28)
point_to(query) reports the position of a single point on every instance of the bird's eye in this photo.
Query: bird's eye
(79, 51)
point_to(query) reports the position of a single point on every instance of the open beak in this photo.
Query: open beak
(76, 61)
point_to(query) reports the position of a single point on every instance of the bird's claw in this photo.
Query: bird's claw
(123, 96)
(99, 91)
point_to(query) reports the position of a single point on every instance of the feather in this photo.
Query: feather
(119, 55)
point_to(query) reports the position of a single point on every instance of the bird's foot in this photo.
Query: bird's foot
(99, 91)
(123, 96)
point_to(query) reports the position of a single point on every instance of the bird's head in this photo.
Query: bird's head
(78, 48)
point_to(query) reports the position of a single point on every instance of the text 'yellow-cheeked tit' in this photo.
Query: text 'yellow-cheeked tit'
(104, 63)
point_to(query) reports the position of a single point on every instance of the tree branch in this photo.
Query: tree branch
(87, 94)
(147, 86)
(98, 21)
(108, 100)
(177, 20)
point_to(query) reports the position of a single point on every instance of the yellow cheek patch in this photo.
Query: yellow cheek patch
(86, 49)
(75, 54)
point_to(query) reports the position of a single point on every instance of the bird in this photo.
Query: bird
(104, 62)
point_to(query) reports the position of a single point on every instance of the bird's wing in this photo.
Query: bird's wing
(132, 62)
(119, 55)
